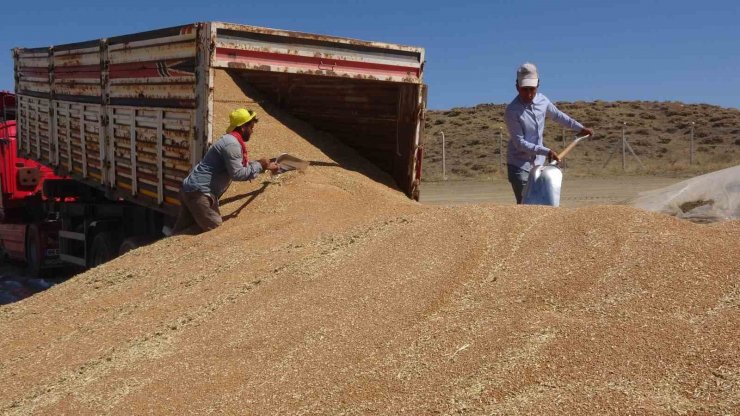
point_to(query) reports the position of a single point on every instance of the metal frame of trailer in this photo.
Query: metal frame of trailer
(128, 116)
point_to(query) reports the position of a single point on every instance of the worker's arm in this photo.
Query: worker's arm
(233, 162)
(517, 137)
(565, 120)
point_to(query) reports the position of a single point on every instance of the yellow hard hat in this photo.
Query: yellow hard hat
(239, 117)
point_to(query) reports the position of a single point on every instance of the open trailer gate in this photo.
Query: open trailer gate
(367, 94)
(127, 117)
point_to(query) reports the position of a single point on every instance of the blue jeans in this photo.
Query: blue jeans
(518, 178)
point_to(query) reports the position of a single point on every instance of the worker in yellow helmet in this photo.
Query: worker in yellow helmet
(226, 160)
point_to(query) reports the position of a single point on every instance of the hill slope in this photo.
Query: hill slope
(659, 133)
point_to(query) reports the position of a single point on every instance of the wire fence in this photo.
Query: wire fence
(620, 150)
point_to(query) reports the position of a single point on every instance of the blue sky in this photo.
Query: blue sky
(586, 50)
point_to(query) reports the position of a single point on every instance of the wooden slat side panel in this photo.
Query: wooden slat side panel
(78, 135)
(35, 128)
(151, 152)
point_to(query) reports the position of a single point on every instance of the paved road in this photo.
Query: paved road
(576, 191)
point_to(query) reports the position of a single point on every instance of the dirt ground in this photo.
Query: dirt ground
(330, 293)
(576, 191)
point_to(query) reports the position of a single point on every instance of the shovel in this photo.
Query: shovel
(289, 162)
(543, 185)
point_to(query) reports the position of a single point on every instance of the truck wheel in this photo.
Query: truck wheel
(34, 256)
(102, 249)
(132, 243)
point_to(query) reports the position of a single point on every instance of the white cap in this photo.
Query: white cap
(526, 75)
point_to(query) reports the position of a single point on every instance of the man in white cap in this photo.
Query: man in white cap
(525, 120)
(225, 160)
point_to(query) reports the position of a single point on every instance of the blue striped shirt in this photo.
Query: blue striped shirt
(526, 125)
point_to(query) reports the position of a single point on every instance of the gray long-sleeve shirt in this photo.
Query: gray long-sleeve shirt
(221, 164)
(526, 125)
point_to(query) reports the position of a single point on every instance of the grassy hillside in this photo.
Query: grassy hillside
(659, 133)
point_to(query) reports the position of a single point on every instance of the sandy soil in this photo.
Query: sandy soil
(329, 292)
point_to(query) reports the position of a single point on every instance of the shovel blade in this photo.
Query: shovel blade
(543, 186)
(289, 162)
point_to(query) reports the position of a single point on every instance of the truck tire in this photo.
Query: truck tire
(132, 243)
(103, 249)
(34, 256)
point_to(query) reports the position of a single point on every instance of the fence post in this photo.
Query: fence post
(444, 161)
(691, 145)
(500, 150)
(562, 136)
(624, 147)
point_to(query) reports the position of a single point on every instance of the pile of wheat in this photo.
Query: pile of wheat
(328, 292)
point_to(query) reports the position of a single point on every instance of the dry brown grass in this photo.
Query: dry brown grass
(658, 132)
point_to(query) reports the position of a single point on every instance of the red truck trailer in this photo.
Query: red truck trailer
(126, 117)
(27, 234)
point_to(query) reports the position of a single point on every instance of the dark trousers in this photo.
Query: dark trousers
(518, 178)
(198, 213)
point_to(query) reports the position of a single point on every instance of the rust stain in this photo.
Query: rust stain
(76, 61)
(318, 37)
(369, 77)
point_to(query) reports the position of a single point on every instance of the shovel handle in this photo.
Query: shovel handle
(571, 146)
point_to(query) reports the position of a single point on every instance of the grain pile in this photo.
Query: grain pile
(331, 293)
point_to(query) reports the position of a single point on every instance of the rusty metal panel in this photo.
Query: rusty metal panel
(32, 72)
(407, 138)
(76, 73)
(205, 80)
(154, 69)
(61, 154)
(151, 152)
(105, 129)
(418, 155)
(255, 48)
(35, 125)
(76, 139)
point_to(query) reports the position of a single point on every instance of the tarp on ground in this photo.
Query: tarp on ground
(706, 198)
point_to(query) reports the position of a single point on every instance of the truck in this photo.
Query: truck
(25, 233)
(120, 121)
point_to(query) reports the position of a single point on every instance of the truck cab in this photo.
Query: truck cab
(27, 233)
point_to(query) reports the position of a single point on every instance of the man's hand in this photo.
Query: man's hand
(585, 132)
(267, 165)
(553, 155)
(272, 167)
